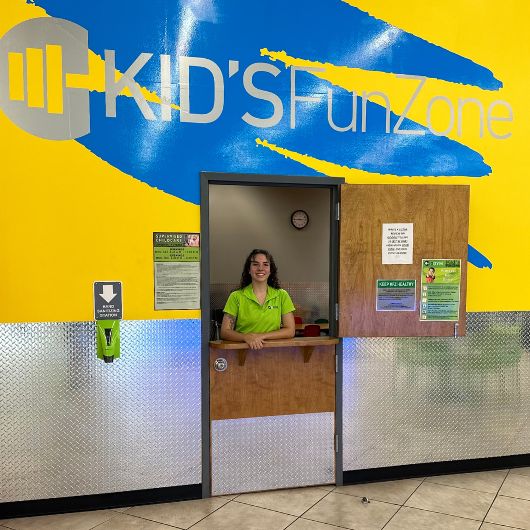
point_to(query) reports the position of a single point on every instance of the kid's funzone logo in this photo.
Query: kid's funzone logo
(37, 55)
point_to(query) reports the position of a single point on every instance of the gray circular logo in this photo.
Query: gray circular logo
(220, 364)
(62, 113)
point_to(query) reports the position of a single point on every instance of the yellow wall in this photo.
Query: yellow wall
(52, 206)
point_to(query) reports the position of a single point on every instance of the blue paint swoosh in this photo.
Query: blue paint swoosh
(340, 34)
(476, 258)
(170, 155)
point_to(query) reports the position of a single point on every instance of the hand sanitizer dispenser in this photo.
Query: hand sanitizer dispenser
(108, 340)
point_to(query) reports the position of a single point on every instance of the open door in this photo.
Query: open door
(271, 418)
(440, 219)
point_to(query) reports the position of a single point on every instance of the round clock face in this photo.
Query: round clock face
(299, 219)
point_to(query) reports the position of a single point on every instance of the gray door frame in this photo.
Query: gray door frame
(207, 178)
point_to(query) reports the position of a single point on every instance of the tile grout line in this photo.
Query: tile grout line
(501, 526)
(516, 498)
(104, 522)
(313, 521)
(262, 508)
(399, 509)
(253, 506)
(172, 526)
(136, 517)
(321, 522)
(354, 496)
(378, 500)
(495, 498)
(477, 491)
(277, 511)
(518, 474)
(443, 513)
(373, 498)
(153, 521)
(226, 503)
(461, 487)
(457, 516)
(268, 509)
(312, 506)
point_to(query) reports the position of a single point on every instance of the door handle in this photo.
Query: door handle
(220, 364)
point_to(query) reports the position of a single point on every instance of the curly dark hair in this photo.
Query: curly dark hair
(272, 280)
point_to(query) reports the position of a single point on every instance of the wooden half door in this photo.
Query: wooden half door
(273, 381)
(440, 218)
(272, 415)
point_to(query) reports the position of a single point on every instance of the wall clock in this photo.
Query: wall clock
(299, 219)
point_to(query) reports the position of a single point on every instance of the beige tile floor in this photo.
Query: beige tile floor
(489, 500)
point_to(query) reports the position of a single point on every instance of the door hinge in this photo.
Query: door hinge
(336, 443)
(337, 212)
(336, 364)
(337, 313)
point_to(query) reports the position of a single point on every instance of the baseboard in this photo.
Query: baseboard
(100, 501)
(435, 468)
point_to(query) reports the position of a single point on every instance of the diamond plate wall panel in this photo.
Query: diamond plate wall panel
(414, 400)
(73, 425)
(272, 452)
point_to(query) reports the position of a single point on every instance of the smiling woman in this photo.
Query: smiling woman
(259, 309)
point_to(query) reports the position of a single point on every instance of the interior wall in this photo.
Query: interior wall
(246, 217)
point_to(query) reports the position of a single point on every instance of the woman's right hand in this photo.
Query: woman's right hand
(254, 340)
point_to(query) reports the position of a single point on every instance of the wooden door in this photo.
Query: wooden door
(291, 379)
(272, 414)
(440, 226)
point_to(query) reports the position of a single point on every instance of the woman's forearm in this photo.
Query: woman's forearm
(255, 340)
(231, 334)
(282, 333)
(236, 336)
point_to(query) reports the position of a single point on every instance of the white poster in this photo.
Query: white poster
(398, 242)
(177, 285)
(177, 257)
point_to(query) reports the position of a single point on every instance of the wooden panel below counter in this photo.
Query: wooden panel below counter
(273, 381)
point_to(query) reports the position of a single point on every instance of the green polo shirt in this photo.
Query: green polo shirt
(251, 316)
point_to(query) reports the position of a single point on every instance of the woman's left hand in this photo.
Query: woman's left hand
(254, 340)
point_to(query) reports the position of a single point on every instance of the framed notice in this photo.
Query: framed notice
(440, 289)
(395, 295)
(177, 258)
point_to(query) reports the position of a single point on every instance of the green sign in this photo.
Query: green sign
(440, 289)
(177, 259)
(395, 295)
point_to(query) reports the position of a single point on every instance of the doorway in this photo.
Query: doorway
(254, 436)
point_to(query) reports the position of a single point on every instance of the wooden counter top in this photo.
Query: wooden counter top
(278, 343)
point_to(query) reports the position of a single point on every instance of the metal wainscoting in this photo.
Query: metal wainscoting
(272, 452)
(73, 425)
(414, 400)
